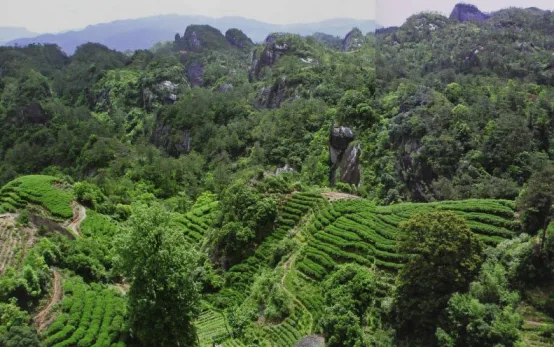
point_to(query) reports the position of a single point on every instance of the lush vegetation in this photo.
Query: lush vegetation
(180, 195)
(91, 315)
(39, 190)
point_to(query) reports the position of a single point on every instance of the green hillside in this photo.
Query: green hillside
(390, 188)
(48, 192)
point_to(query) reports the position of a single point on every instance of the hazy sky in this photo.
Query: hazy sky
(58, 15)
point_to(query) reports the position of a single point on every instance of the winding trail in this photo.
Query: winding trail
(40, 318)
(79, 215)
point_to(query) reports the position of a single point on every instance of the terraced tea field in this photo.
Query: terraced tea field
(196, 222)
(15, 241)
(347, 230)
(211, 328)
(241, 275)
(537, 329)
(357, 231)
(12, 239)
(40, 190)
(91, 315)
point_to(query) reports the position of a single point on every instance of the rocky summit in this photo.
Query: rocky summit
(466, 13)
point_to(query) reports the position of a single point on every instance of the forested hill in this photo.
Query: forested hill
(143, 33)
(390, 188)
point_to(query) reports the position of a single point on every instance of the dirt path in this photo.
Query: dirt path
(79, 215)
(335, 196)
(40, 319)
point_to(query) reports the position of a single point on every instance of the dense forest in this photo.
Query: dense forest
(394, 188)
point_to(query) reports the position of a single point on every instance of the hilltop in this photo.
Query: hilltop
(143, 33)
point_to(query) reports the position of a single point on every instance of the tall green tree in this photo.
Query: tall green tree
(536, 201)
(163, 297)
(446, 256)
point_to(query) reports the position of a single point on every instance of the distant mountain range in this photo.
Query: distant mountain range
(143, 33)
(12, 33)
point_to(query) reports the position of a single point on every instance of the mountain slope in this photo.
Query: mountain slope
(143, 33)
(12, 33)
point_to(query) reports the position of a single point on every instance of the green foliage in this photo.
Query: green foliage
(270, 298)
(351, 294)
(486, 316)
(46, 191)
(91, 315)
(163, 299)
(457, 115)
(246, 218)
(88, 194)
(536, 201)
(447, 256)
(15, 329)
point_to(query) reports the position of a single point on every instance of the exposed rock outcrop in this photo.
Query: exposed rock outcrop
(198, 38)
(195, 74)
(175, 142)
(275, 47)
(350, 165)
(311, 341)
(272, 97)
(31, 114)
(285, 169)
(168, 90)
(353, 40)
(239, 39)
(468, 13)
(344, 156)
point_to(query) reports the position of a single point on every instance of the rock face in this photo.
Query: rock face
(31, 114)
(272, 97)
(311, 341)
(168, 89)
(275, 47)
(285, 169)
(467, 13)
(175, 142)
(239, 39)
(353, 40)
(198, 38)
(350, 165)
(344, 156)
(195, 74)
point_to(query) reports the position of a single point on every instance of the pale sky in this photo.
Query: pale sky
(59, 15)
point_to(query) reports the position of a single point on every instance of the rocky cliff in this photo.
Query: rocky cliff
(199, 38)
(467, 13)
(345, 156)
(275, 47)
(239, 39)
(353, 40)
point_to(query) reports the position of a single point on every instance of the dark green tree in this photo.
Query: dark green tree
(446, 256)
(535, 203)
(163, 298)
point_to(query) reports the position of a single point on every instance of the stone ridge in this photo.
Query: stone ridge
(467, 13)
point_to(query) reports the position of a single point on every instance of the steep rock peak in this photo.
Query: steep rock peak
(239, 39)
(276, 45)
(466, 12)
(354, 40)
(198, 38)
